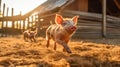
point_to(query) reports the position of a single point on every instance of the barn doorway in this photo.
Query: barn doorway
(94, 6)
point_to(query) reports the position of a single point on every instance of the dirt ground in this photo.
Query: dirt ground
(15, 52)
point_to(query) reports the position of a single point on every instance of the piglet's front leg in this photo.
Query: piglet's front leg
(55, 46)
(64, 45)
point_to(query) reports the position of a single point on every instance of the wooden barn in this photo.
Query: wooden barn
(90, 23)
(98, 18)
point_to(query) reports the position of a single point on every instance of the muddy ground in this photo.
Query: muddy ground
(15, 52)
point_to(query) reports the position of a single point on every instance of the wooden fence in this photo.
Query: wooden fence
(15, 24)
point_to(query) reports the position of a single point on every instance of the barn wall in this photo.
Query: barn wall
(78, 5)
(82, 5)
(44, 23)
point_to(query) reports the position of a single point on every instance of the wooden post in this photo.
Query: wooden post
(7, 16)
(17, 24)
(6, 30)
(0, 15)
(12, 15)
(12, 32)
(3, 14)
(32, 22)
(7, 11)
(3, 21)
(3, 9)
(28, 23)
(36, 19)
(23, 25)
(20, 21)
(12, 11)
(104, 19)
(38, 25)
(0, 6)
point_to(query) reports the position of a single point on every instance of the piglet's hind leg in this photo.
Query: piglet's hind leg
(64, 45)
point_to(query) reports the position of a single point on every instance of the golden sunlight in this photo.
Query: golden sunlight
(9, 24)
(22, 5)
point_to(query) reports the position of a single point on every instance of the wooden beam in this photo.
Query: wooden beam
(0, 5)
(3, 9)
(104, 19)
(12, 12)
(28, 23)
(3, 14)
(23, 25)
(117, 2)
(7, 11)
(12, 16)
(7, 15)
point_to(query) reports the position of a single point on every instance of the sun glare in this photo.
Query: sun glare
(22, 5)
(9, 24)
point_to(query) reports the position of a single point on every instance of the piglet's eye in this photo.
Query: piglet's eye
(64, 23)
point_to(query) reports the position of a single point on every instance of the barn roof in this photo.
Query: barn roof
(50, 6)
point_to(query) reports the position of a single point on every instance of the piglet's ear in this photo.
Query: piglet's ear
(58, 19)
(75, 19)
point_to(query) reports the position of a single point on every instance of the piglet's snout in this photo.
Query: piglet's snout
(73, 28)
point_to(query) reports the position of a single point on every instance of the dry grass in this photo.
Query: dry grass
(15, 52)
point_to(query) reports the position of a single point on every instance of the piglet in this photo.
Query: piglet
(26, 35)
(62, 31)
(30, 35)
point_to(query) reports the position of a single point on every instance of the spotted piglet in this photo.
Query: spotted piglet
(62, 31)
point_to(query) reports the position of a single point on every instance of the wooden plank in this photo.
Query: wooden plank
(82, 5)
(88, 32)
(90, 16)
(99, 24)
(13, 18)
(88, 24)
(87, 35)
(117, 2)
